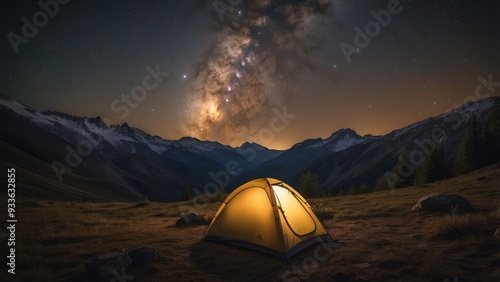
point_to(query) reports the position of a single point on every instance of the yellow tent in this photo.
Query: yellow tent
(268, 215)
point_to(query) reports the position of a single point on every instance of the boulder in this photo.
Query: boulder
(104, 266)
(142, 255)
(187, 219)
(442, 203)
(112, 266)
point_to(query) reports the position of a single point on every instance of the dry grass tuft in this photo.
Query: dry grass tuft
(322, 211)
(459, 225)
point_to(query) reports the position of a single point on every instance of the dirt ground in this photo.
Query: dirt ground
(379, 239)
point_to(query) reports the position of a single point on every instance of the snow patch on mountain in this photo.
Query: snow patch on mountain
(191, 143)
(339, 141)
(93, 132)
(464, 111)
(90, 133)
(469, 109)
(399, 132)
(156, 144)
(110, 135)
(24, 111)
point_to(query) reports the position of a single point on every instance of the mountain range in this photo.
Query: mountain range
(61, 156)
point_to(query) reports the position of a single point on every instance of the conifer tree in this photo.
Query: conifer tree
(309, 185)
(340, 193)
(353, 190)
(433, 168)
(491, 137)
(468, 152)
(382, 184)
(363, 189)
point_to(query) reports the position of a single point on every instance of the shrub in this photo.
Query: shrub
(322, 211)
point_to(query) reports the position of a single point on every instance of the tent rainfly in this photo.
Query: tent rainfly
(268, 215)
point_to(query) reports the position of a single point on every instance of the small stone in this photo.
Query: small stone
(187, 219)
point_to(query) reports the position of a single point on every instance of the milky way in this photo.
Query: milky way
(424, 62)
(259, 49)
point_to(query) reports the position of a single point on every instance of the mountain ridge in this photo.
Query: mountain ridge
(150, 166)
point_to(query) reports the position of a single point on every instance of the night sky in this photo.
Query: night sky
(227, 70)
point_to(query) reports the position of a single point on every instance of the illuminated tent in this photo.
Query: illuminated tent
(267, 215)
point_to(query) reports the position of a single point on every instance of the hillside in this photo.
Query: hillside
(380, 239)
(72, 158)
(365, 161)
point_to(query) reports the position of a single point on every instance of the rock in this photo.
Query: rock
(103, 266)
(142, 255)
(187, 219)
(442, 203)
(110, 266)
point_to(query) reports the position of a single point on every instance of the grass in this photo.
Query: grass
(458, 225)
(377, 230)
(322, 211)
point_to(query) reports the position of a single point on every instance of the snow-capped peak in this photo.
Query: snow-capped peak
(195, 144)
(252, 145)
(339, 140)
